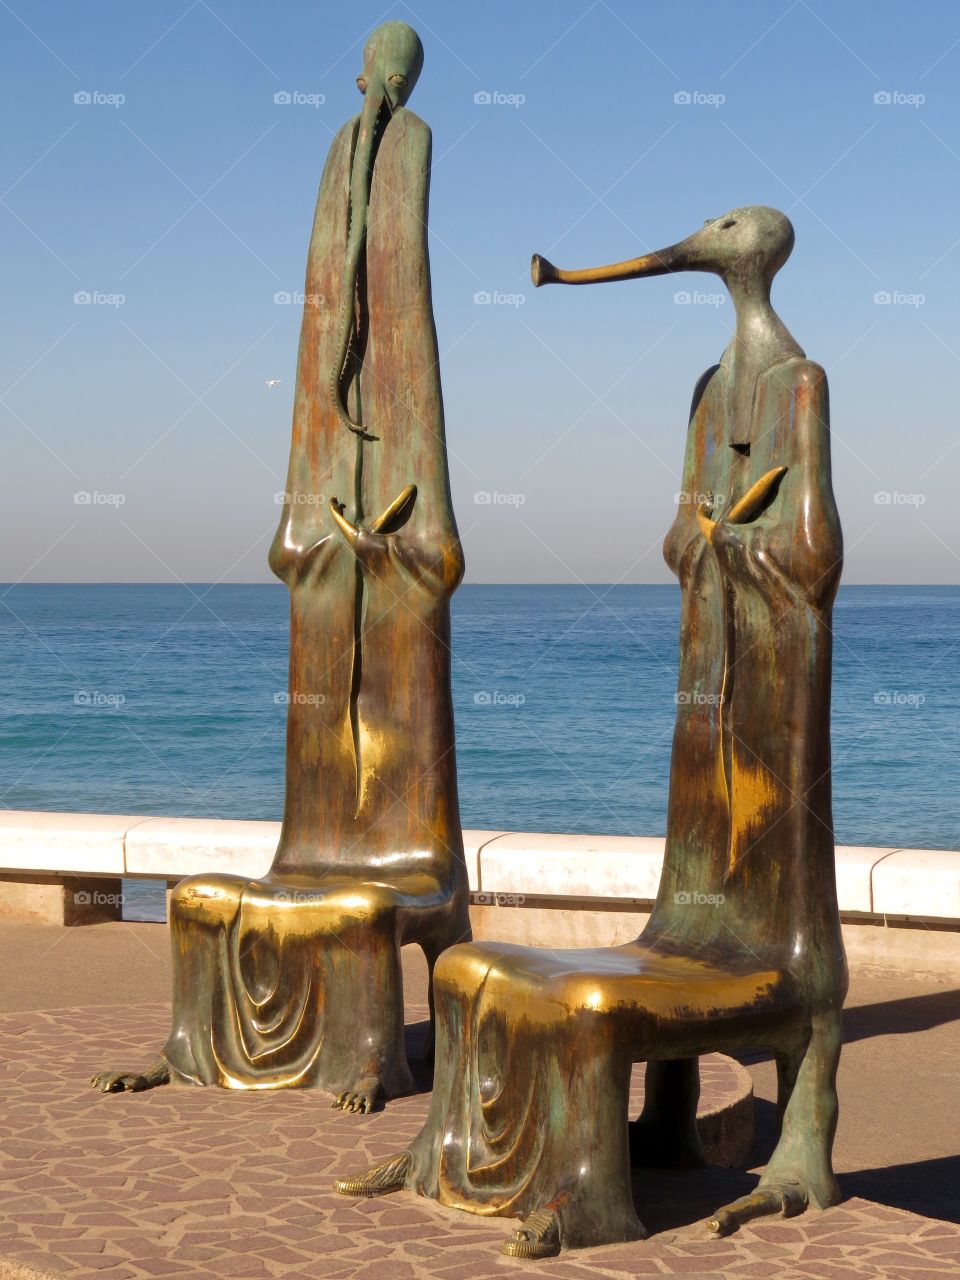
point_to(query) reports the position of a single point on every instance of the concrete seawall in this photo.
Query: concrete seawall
(900, 907)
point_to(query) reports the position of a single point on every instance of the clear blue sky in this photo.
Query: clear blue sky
(193, 198)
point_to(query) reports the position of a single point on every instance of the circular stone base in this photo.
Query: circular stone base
(724, 1112)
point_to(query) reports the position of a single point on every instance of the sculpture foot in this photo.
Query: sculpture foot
(132, 1081)
(539, 1237)
(786, 1199)
(362, 1096)
(389, 1175)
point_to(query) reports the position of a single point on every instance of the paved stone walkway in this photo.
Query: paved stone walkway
(201, 1183)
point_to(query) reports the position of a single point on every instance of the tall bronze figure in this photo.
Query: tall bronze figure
(743, 949)
(295, 979)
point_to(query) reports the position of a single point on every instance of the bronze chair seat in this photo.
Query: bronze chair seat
(639, 984)
(353, 890)
(264, 956)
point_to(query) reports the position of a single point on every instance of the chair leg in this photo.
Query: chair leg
(788, 1064)
(431, 954)
(805, 1150)
(364, 1025)
(800, 1171)
(666, 1133)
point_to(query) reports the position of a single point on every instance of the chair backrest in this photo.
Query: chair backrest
(370, 766)
(748, 872)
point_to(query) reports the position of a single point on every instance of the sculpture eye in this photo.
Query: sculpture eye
(398, 79)
(362, 84)
(730, 222)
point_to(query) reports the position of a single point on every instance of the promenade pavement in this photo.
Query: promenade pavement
(191, 1183)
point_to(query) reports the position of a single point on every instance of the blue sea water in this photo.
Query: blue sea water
(167, 699)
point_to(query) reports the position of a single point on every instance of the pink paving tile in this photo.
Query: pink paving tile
(922, 1272)
(199, 1184)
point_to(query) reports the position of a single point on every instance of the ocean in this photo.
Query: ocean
(168, 699)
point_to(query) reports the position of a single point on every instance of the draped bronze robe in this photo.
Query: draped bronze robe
(535, 1047)
(295, 979)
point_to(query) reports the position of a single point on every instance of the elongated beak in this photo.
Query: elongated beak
(661, 263)
(374, 100)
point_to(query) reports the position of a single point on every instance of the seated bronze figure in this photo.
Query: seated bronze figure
(743, 950)
(295, 979)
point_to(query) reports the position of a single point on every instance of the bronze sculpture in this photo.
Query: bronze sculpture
(295, 979)
(743, 949)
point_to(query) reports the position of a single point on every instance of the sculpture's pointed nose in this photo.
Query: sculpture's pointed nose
(673, 258)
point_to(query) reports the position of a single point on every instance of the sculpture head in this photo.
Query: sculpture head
(392, 60)
(747, 245)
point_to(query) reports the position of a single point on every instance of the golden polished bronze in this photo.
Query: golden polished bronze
(743, 950)
(295, 979)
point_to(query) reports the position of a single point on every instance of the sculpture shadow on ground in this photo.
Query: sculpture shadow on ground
(901, 1017)
(927, 1187)
(667, 1199)
(672, 1198)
